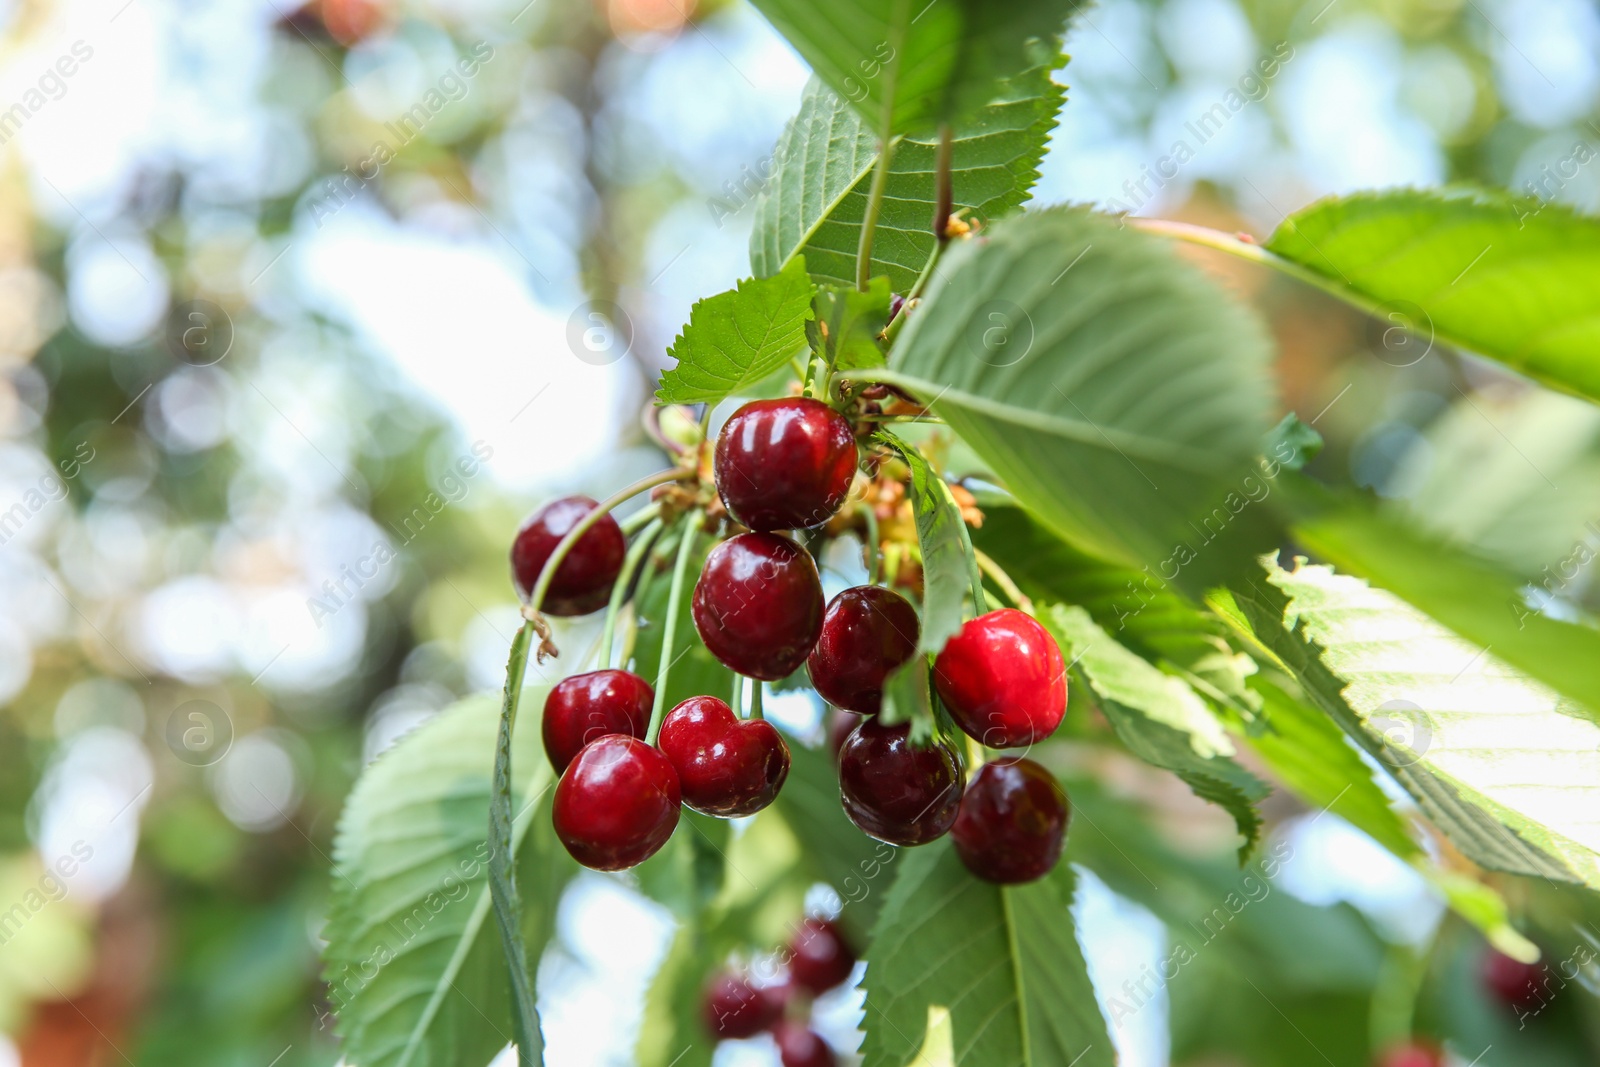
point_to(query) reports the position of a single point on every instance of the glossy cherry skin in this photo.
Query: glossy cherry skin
(735, 1008)
(799, 1046)
(617, 803)
(1411, 1054)
(583, 581)
(894, 790)
(1012, 823)
(725, 766)
(867, 632)
(1515, 984)
(588, 706)
(819, 956)
(1003, 679)
(758, 605)
(785, 464)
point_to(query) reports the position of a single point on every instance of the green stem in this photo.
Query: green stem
(869, 222)
(874, 545)
(756, 688)
(639, 519)
(736, 698)
(669, 633)
(600, 511)
(998, 575)
(944, 195)
(619, 591)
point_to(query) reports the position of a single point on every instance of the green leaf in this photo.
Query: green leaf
(1117, 393)
(1292, 442)
(972, 974)
(942, 538)
(1505, 767)
(910, 64)
(1511, 279)
(414, 965)
(854, 320)
(818, 196)
(1160, 719)
(736, 339)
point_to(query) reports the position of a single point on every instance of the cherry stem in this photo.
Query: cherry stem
(945, 201)
(670, 632)
(756, 687)
(643, 517)
(998, 575)
(600, 511)
(737, 696)
(874, 545)
(869, 222)
(619, 591)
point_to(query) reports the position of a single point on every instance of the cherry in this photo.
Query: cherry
(583, 581)
(1012, 823)
(617, 803)
(1003, 679)
(735, 1008)
(867, 632)
(1411, 1054)
(1514, 983)
(725, 767)
(799, 1046)
(758, 605)
(841, 724)
(785, 464)
(586, 706)
(895, 791)
(820, 957)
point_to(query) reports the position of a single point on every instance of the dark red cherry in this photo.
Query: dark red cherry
(583, 581)
(734, 1008)
(1012, 823)
(819, 956)
(841, 724)
(1412, 1053)
(617, 803)
(785, 464)
(1514, 983)
(867, 632)
(1003, 679)
(799, 1046)
(758, 605)
(896, 791)
(587, 706)
(725, 766)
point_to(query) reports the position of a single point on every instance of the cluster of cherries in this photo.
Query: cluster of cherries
(817, 959)
(788, 464)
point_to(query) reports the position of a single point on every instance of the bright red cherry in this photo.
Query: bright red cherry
(617, 803)
(894, 790)
(1412, 1053)
(785, 464)
(583, 581)
(867, 632)
(1012, 823)
(725, 766)
(1003, 679)
(735, 1008)
(1514, 983)
(819, 956)
(799, 1046)
(758, 605)
(586, 706)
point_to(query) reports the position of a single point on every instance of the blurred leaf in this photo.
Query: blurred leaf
(1121, 397)
(1505, 767)
(1511, 279)
(1160, 719)
(687, 873)
(832, 849)
(942, 538)
(854, 320)
(414, 967)
(973, 974)
(695, 671)
(736, 339)
(1292, 442)
(824, 160)
(671, 1034)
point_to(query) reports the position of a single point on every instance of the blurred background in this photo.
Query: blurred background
(268, 273)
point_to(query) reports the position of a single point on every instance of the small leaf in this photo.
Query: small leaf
(736, 339)
(854, 320)
(942, 537)
(1292, 444)
(1160, 719)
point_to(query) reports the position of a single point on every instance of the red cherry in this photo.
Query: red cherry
(617, 803)
(583, 581)
(1003, 679)
(587, 706)
(895, 791)
(735, 1008)
(799, 1046)
(758, 605)
(819, 956)
(841, 724)
(867, 632)
(1012, 823)
(725, 767)
(1412, 1053)
(1514, 983)
(785, 464)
